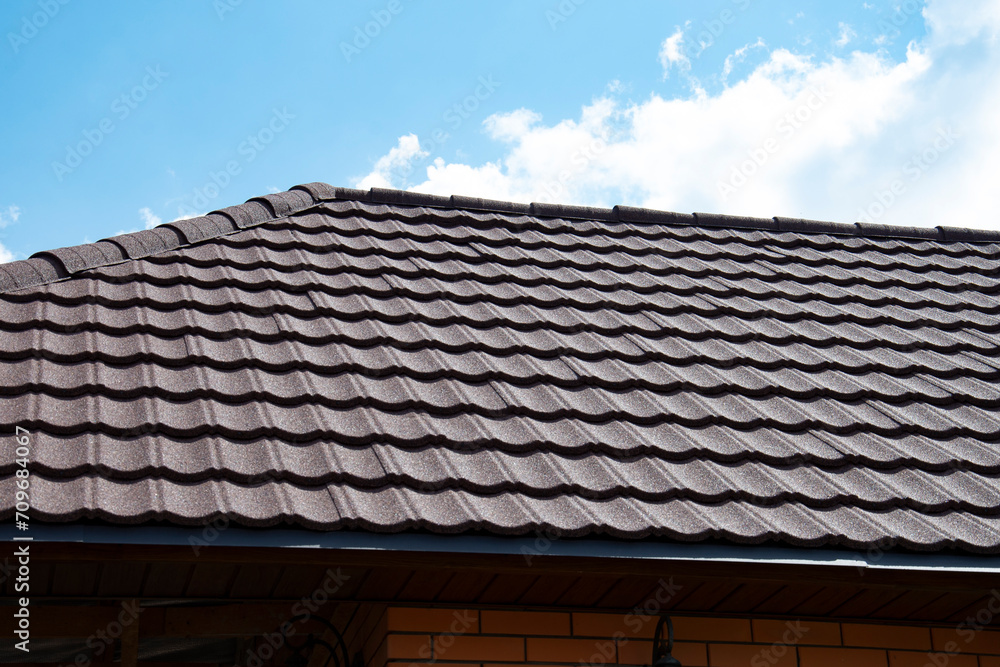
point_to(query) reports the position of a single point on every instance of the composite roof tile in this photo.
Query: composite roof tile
(251, 214)
(382, 360)
(285, 203)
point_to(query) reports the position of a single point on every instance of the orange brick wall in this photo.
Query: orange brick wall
(487, 637)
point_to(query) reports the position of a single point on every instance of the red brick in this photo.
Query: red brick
(711, 629)
(964, 640)
(606, 625)
(571, 650)
(796, 632)
(453, 647)
(750, 655)
(841, 657)
(887, 636)
(408, 646)
(640, 651)
(411, 619)
(921, 659)
(524, 623)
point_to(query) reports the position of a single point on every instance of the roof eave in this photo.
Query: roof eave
(527, 548)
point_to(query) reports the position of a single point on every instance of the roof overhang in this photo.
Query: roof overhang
(529, 549)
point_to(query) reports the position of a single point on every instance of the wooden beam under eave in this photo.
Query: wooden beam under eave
(230, 620)
(130, 639)
(783, 573)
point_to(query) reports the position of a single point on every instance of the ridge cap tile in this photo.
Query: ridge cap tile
(284, 203)
(407, 198)
(546, 210)
(65, 262)
(804, 226)
(318, 191)
(247, 215)
(872, 230)
(112, 253)
(32, 271)
(203, 227)
(133, 245)
(481, 204)
(352, 194)
(168, 237)
(653, 216)
(969, 235)
(735, 221)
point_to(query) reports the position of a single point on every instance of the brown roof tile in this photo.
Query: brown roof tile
(386, 361)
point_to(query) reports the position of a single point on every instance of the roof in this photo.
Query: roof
(390, 361)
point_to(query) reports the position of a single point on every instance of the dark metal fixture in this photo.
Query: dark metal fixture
(661, 650)
(301, 651)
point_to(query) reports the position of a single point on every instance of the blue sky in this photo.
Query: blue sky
(120, 115)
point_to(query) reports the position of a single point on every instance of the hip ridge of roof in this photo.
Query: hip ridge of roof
(53, 265)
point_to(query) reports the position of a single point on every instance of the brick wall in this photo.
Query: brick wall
(473, 637)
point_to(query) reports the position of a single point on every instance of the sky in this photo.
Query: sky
(118, 116)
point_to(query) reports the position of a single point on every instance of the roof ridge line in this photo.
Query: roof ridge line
(632, 214)
(50, 266)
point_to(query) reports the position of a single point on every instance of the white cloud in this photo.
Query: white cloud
(9, 216)
(957, 22)
(797, 136)
(399, 160)
(846, 35)
(149, 219)
(738, 56)
(672, 53)
(509, 126)
(616, 86)
(188, 216)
